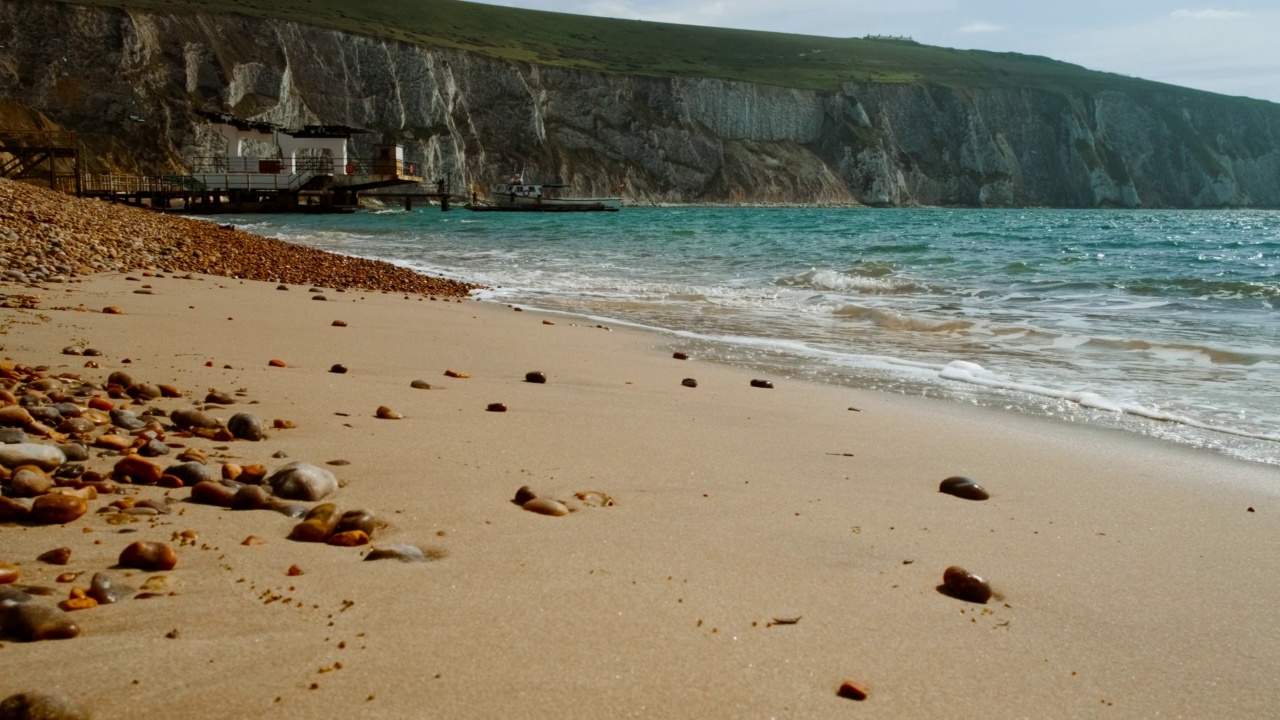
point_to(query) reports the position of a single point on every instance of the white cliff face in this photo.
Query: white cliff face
(130, 83)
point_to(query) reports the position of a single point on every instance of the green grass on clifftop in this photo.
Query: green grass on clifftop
(658, 49)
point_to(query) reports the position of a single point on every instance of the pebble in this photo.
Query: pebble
(544, 506)
(169, 391)
(40, 706)
(250, 497)
(212, 493)
(318, 524)
(535, 377)
(962, 584)
(767, 384)
(102, 589)
(219, 398)
(404, 553)
(15, 416)
(56, 556)
(456, 374)
(963, 487)
(120, 377)
(385, 413)
(153, 448)
(74, 426)
(126, 420)
(45, 457)
(302, 481)
(350, 538)
(419, 384)
(246, 426)
(339, 323)
(143, 392)
(497, 407)
(524, 495)
(361, 520)
(292, 510)
(30, 481)
(850, 690)
(338, 368)
(74, 452)
(148, 555)
(192, 473)
(680, 356)
(252, 540)
(277, 363)
(10, 436)
(319, 297)
(689, 382)
(31, 622)
(56, 509)
(8, 574)
(190, 418)
(11, 510)
(137, 469)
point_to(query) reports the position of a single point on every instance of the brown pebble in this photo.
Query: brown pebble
(57, 509)
(78, 603)
(253, 540)
(339, 323)
(456, 374)
(689, 382)
(41, 706)
(524, 495)
(535, 376)
(338, 368)
(496, 407)
(420, 385)
(111, 310)
(680, 356)
(964, 585)
(208, 492)
(851, 691)
(544, 322)
(277, 363)
(545, 506)
(32, 622)
(963, 487)
(766, 384)
(318, 524)
(350, 538)
(385, 413)
(293, 571)
(148, 555)
(8, 574)
(137, 469)
(56, 556)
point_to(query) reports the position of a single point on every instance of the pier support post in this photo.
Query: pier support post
(408, 203)
(444, 202)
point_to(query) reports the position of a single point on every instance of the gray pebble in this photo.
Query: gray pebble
(246, 426)
(302, 481)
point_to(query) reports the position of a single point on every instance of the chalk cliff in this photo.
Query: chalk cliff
(130, 82)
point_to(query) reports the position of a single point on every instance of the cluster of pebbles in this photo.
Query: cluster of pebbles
(68, 443)
(49, 237)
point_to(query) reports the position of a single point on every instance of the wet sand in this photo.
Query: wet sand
(763, 546)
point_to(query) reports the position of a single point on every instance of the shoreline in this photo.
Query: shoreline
(763, 546)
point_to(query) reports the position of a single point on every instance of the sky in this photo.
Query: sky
(1231, 48)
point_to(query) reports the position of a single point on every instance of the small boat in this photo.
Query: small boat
(516, 195)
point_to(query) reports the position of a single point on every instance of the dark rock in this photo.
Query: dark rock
(12, 435)
(11, 510)
(193, 473)
(56, 556)
(46, 414)
(361, 520)
(212, 493)
(143, 392)
(338, 368)
(767, 384)
(153, 448)
(192, 419)
(524, 495)
(219, 398)
(496, 407)
(963, 487)
(964, 585)
(250, 497)
(288, 509)
(535, 377)
(385, 413)
(137, 469)
(40, 706)
(126, 420)
(121, 378)
(418, 384)
(246, 426)
(689, 382)
(680, 356)
(31, 622)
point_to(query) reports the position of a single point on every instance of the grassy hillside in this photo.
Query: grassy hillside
(658, 49)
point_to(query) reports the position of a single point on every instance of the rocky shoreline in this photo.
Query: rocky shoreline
(46, 236)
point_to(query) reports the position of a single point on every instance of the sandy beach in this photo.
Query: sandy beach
(730, 551)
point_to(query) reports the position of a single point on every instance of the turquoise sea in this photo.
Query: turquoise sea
(1159, 322)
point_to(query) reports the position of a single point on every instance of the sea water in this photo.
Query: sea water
(1159, 322)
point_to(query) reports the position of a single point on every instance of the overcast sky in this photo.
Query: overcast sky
(1231, 48)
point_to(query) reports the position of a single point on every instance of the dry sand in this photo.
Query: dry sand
(1132, 578)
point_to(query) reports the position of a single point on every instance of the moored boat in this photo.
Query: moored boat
(520, 196)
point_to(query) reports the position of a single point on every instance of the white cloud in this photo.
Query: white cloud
(1208, 14)
(980, 27)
